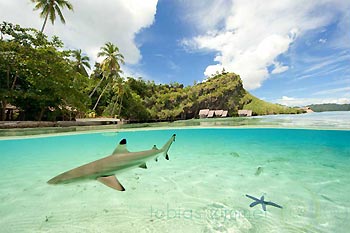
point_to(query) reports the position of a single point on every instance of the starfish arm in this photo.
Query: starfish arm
(254, 198)
(262, 198)
(254, 203)
(273, 204)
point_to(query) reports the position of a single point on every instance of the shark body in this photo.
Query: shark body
(104, 169)
(262, 202)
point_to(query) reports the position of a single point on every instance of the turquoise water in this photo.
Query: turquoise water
(200, 189)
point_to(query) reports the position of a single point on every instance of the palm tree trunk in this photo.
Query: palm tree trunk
(121, 104)
(114, 105)
(98, 84)
(42, 29)
(14, 82)
(41, 114)
(98, 100)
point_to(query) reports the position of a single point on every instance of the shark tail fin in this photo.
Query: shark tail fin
(167, 145)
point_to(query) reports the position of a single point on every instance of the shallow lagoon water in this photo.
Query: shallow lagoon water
(200, 189)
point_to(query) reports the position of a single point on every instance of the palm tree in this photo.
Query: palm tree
(120, 94)
(81, 62)
(110, 66)
(49, 9)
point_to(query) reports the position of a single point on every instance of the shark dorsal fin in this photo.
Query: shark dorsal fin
(154, 147)
(121, 148)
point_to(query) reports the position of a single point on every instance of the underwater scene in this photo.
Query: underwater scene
(219, 179)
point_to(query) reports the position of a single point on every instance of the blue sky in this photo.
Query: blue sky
(291, 52)
(317, 60)
(164, 58)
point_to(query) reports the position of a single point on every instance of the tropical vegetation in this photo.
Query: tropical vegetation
(51, 8)
(329, 107)
(46, 82)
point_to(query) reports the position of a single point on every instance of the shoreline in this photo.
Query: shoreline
(43, 124)
(321, 121)
(53, 132)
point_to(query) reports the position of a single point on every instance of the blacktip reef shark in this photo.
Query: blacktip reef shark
(262, 202)
(104, 169)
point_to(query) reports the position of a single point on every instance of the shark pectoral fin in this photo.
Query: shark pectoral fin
(144, 166)
(156, 159)
(167, 156)
(112, 182)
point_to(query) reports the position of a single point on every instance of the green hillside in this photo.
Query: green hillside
(260, 107)
(225, 91)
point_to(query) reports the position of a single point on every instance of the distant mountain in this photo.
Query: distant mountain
(329, 107)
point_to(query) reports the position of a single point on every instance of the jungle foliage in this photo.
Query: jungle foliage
(329, 107)
(46, 82)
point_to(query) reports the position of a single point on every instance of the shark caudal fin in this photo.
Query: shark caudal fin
(167, 145)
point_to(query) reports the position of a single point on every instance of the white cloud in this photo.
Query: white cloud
(206, 15)
(322, 41)
(92, 23)
(279, 68)
(328, 61)
(134, 72)
(256, 33)
(286, 98)
(173, 66)
(289, 101)
(333, 91)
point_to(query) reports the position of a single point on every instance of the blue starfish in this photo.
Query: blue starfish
(262, 202)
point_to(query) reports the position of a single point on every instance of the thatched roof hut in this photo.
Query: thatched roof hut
(211, 114)
(245, 113)
(218, 113)
(203, 113)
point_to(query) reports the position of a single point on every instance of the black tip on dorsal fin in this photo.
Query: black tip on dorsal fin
(122, 142)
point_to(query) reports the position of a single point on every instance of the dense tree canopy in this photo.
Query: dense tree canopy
(46, 82)
(329, 107)
(37, 75)
(81, 62)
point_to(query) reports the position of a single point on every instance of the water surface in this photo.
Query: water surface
(201, 189)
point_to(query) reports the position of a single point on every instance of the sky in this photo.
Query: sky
(292, 52)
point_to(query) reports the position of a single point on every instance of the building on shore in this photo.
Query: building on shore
(307, 109)
(245, 113)
(207, 113)
(203, 113)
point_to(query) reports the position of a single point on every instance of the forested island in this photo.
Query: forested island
(43, 81)
(329, 107)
